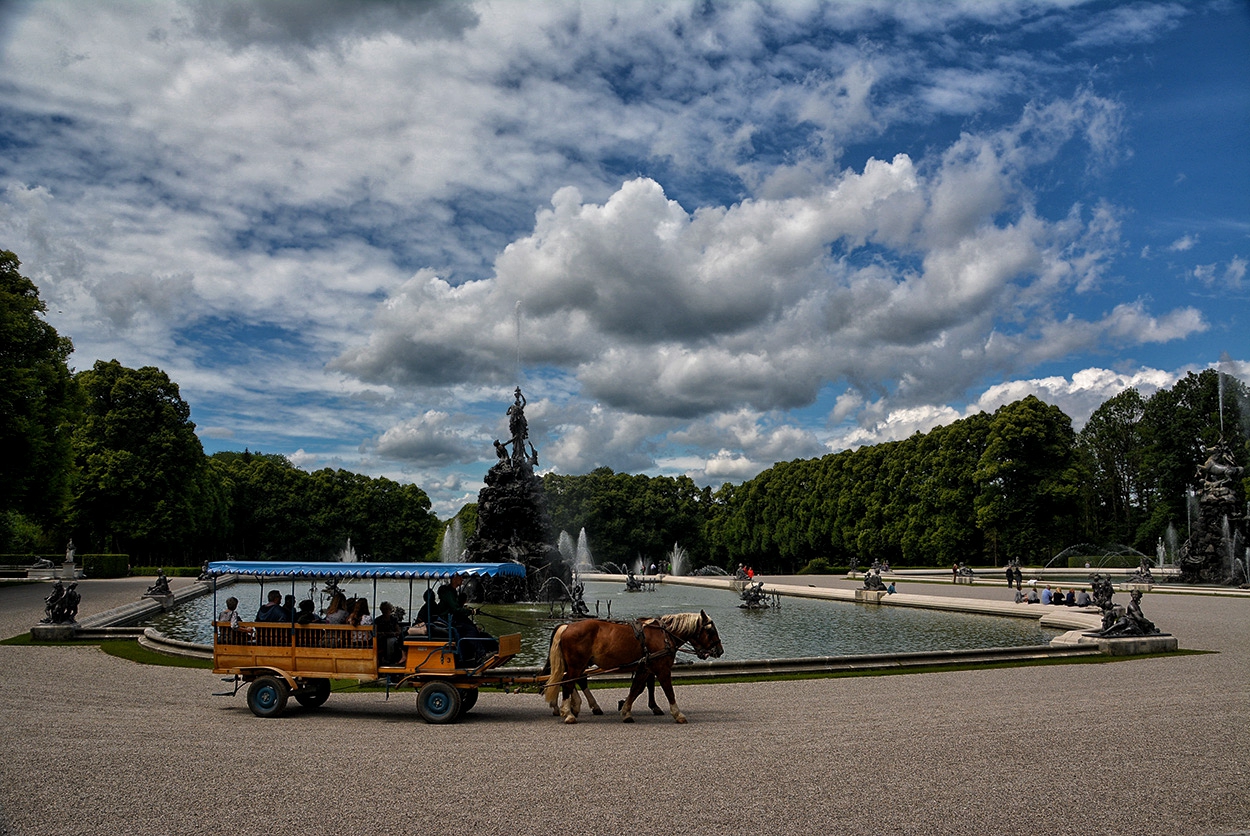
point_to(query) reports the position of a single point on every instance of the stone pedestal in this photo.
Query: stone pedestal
(53, 632)
(166, 600)
(869, 596)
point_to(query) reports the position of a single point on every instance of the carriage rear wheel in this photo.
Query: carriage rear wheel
(316, 692)
(438, 702)
(267, 696)
(468, 699)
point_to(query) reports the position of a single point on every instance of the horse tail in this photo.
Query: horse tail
(555, 660)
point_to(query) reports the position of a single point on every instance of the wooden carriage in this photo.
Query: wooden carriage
(277, 661)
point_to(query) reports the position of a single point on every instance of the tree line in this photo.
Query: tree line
(108, 456)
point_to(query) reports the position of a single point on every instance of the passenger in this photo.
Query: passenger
(308, 613)
(272, 611)
(387, 628)
(360, 618)
(337, 612)
(425, 616)
(231, 614)
(288, 606)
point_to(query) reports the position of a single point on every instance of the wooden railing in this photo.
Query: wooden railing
(269, 634)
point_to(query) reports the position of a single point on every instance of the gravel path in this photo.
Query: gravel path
(94, 744)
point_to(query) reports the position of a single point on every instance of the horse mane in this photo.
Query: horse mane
(685, 624)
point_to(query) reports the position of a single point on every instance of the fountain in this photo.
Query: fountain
(348, 554)
(582, 559)
(453, 542)
(678, 561)
(1210, 554)
(512, 521)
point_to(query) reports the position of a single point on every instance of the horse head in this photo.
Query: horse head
(706, 642)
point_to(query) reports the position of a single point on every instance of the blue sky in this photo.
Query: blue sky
(702, 237)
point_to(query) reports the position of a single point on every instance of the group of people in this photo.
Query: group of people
(442, 610)
(1073, 598)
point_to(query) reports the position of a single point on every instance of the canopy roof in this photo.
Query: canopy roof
(422, 571)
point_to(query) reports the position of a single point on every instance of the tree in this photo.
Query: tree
(1027, 481)
(37, 407)
(1113, 449)
(141, 466)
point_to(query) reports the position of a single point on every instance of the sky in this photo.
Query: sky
(702, 237)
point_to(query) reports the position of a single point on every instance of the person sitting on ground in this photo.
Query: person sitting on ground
(1070, 601)
(1033, 599)
(889, 590)
(1082, 599)
(336, 612)
(272, 610)
(1046, 595)
(1019, 597)
(308, 613)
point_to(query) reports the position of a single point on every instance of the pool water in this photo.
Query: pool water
(799, 627)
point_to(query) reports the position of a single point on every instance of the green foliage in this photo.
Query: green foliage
(141, 466)
(37, 408)
(105, 565)
(627, 516)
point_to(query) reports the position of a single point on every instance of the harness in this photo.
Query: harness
(671, 642)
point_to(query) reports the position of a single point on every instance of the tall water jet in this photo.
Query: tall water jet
(348, 554)
(452, 548)
(582, 558)
(678, 562)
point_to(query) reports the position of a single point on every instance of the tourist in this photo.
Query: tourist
(360, 618)
(1070, 601)
(1082, 599)
(272, 611)
(1019, 597)
(889, 590)
(231, 614)
(307, 613)
(954, 573)
(1046, 595)
(1033, 595)
(288, 606)
(387, 628)
(337, 612)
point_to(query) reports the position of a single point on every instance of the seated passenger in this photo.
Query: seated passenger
(337, 612)
(272, 611)
(307, 613)
(387, 629)
(231, 614)
(360, 618)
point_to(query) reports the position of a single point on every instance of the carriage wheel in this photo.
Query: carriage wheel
(316, 692)
(267, 696)
(438, 702)
(468, 699)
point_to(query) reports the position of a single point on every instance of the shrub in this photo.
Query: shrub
(105, 565)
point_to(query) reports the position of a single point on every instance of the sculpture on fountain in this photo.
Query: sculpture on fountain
(512, 520)
(1221, 523)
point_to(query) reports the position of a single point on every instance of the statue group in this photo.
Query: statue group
(512, 519)
(61, 605)
(1221, 520)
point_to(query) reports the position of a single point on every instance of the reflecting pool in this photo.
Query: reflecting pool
(798, 627)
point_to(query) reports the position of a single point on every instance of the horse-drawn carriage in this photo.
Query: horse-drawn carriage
(279, 660)
(447, 665)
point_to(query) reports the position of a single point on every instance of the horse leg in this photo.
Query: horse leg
(655, 709)
(666, 682)
(635, 688)
(590, 698)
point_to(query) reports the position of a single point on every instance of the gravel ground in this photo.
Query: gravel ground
(95, 744)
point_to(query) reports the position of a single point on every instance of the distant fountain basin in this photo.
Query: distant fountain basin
(800, 627)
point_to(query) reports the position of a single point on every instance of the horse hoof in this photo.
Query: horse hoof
(627, 719)
(570, 719)
(596, 711)
(657, 711)
(681, 718)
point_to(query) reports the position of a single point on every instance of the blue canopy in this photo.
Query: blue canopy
(422, 571)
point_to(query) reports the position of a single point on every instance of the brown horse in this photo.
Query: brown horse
(647, 647)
